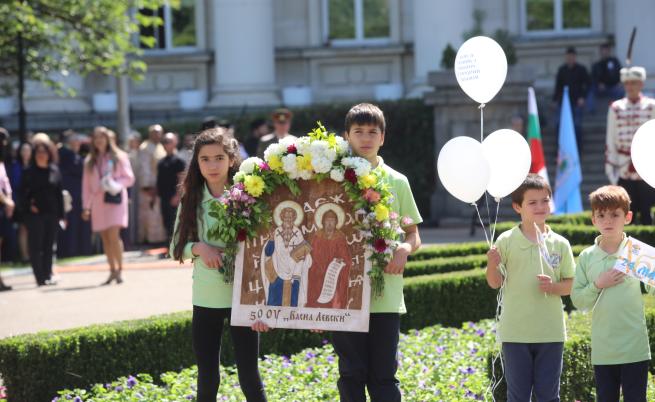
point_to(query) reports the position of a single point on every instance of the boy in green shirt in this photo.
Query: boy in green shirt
(368, 360)
(535, 269)
(619, 339)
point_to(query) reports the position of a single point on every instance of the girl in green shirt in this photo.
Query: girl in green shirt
(215, 157)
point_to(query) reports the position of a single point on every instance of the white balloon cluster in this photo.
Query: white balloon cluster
(499, 164)
(643, 150)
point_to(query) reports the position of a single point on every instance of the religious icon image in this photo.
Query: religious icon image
(307, 268)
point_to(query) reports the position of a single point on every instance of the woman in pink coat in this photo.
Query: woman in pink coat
(107, 175)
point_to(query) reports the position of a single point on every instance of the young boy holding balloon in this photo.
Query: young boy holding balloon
(368, 360)
(620, 351)
(534, 268)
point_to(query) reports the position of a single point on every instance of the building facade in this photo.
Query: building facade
(231, 53)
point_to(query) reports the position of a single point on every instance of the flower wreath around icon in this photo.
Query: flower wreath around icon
(320, 155)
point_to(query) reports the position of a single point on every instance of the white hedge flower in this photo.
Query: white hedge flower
(289, 165)
(342, 145)
(303, 145)
(288, 140)
(248, 166)
(321, 164)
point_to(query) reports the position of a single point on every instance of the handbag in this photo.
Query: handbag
(113, 198)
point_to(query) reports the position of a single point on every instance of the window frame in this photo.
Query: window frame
(359, 38)
(595, 10)
(168, 31)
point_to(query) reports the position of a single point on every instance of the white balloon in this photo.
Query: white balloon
(509, 159)
(643, 152)
(463, 169)
(481, 68)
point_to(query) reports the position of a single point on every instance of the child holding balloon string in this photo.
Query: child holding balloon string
(533, 277)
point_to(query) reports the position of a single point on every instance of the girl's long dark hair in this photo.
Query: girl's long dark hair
(193, 184)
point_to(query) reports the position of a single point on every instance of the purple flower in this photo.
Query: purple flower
(480, 332)
(467, 370)
(239, 186)
(55, 399)
(310, 355)
(324, 341)
(119, 388)
(440, 349)
(330, 358)
(189, 397)
(77, 399)
(131, 382)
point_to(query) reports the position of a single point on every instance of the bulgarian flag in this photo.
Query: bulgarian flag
(538, 165)
(534, 138)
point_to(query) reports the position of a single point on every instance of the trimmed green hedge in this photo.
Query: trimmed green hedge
(443, 265)
(449, 250)
(586, 234)
(35, 367)
(577, 381)
(582, 218)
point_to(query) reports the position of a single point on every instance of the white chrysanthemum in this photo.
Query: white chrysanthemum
(321, 165)
(273, 149)
(336, 175)
(319, 146)
(348, 161)
(289, 165)
(303, 145)
(248, 166)
(238, 176)
(342, 145)
(306, 174)
(288, 140)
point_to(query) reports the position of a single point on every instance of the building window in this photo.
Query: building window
(179, 28)
(557, 16)
(356, 21)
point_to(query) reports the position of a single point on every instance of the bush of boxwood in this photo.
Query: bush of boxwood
(586, 234)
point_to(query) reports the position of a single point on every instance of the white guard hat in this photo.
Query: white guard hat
(634, 73)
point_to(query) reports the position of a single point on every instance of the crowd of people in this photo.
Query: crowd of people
(82, 193)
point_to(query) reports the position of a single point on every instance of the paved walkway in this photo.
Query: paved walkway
(152, 286)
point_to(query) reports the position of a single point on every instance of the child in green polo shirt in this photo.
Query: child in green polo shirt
(368, 360)
(619, 339)
(535, 268)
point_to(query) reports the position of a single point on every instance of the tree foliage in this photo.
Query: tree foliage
(62, 37)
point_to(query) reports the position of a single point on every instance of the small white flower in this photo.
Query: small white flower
(342, 145)
(248, 166)
(288, 140)
(303, 145)
(273, 149)
(289, 165)
(321, 165)
(306, 174)
(336, 175)
(238, 176)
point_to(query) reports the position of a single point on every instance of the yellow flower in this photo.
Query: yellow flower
(254, 185)
(304, 162)
(381, 212)
(332, 141)
(367, 181)
(275, 163)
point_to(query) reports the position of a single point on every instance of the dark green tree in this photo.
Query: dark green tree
(44, 40)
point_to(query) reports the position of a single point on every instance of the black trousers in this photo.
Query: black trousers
(207, 331)
(168, 215)
(642, 196)
(631, 377)
(369, 360)
(41, 234)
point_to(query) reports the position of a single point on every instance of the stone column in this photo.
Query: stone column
(244, 54)
(436, 24)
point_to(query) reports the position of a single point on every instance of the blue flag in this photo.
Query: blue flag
(569, 174)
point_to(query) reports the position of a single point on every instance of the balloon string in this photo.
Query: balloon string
(493, 232)
(482, 223)
(481, 107)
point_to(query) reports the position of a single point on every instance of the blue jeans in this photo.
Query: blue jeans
(631, 377)
(613, 93)
(369, 360)
(533, 368)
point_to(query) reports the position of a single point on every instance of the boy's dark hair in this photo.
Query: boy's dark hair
(532, 182)
(365, 113)
(609, 198)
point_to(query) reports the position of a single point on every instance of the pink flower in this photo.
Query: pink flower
(240, 186)
(264, 166)
(393, 215)
(371, 195)
(350, 175)
(380, 245)
(406, 221)
(292, 149)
